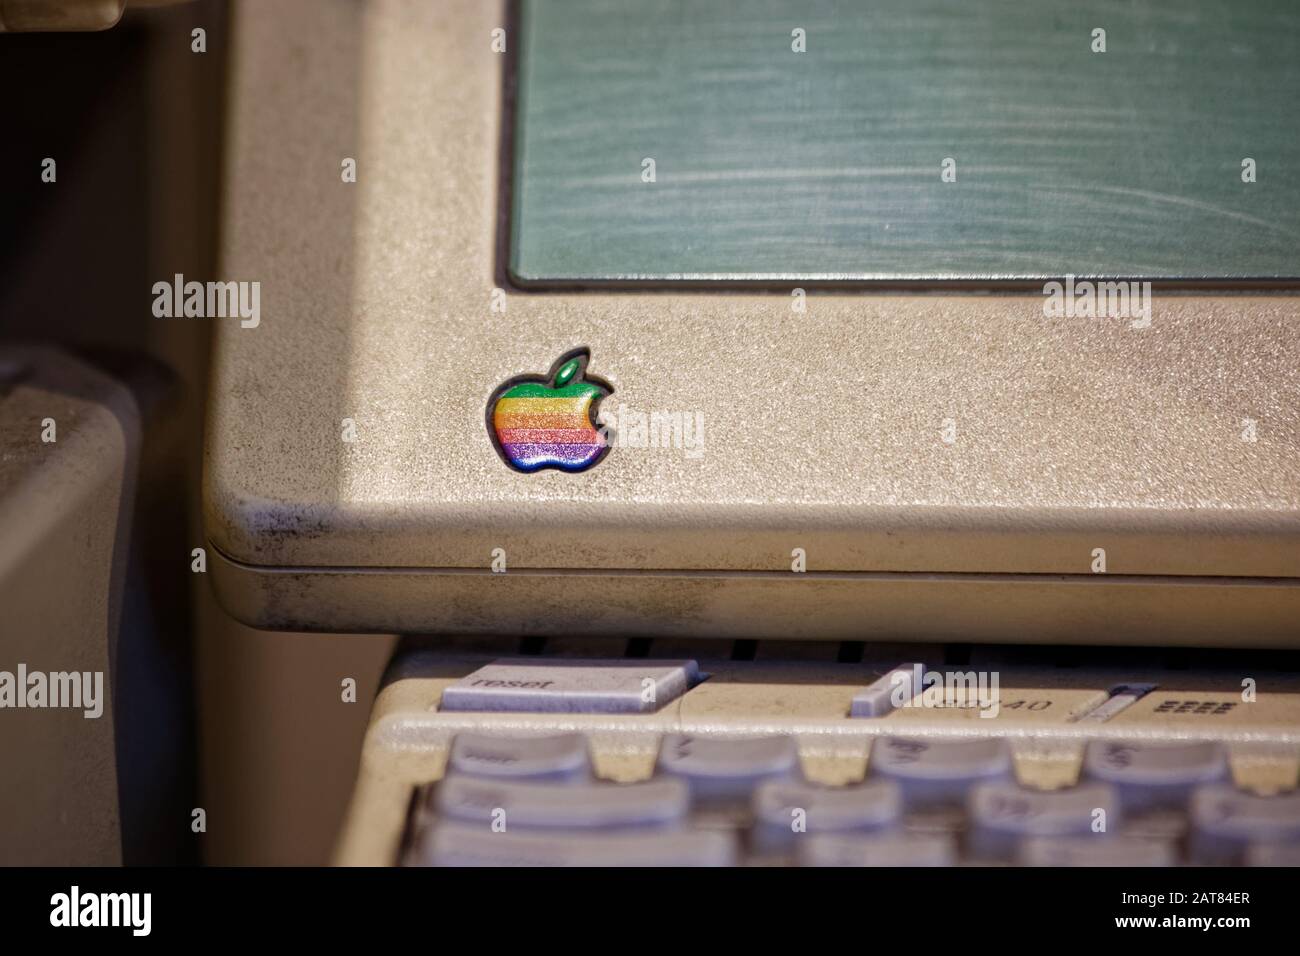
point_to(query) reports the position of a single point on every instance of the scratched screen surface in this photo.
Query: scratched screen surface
(827, 164)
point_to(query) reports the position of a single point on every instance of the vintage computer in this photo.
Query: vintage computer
(835, 434)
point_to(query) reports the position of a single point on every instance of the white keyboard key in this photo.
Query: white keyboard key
(459, 845)
(1112, 703)
(1168, 824)
(1091, 851)
(786, 811)
(946, 818)
(557, 758)
(720, 769)
(596, 806)
(891, 690)
(1273, 854)
(1002, 814)
(558, 686)
(1148, 775)
(933, 772)
(886, 849)
(1226, 821)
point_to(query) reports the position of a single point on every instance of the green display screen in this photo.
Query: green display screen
(905, 140)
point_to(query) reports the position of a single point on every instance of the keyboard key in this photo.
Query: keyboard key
(719, 769)
(1273, 854)
(1226, 821)
(785, 811)
(886, 849)
(459, 845)
(891, 690)
(1149, 775)
(596, 806)
(1167, 824)
(947, 818)
(558, 758)
(1112, 703)
(936, 772)
(1091, 851)
(559, 686)
(1002, 814)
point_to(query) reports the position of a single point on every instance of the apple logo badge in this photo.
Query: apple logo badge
(549, 421)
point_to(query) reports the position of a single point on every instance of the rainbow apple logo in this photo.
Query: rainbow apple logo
(541, 422)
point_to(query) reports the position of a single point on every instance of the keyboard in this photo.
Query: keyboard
(535, 801)
(793, 758)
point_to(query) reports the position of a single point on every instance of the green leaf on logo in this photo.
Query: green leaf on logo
(566, 373)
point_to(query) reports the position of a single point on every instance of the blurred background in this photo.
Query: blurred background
(248, 725)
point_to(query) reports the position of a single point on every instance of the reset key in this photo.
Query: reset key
(572, 686)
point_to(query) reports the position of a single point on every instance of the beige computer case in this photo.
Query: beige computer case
(947, 465)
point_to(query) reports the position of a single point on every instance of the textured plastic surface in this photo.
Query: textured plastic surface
(823, 430)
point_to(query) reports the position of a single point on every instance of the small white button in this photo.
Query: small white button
(571, 686)
(886, 849)
(459, 845)
(1003, 814)
(881, 696)
(933, 772)
(726, 769)
(1155, 774)
(1273, 854)
(1090, 851)
(785, 811)
(498, 805)
(1226, 821)
(559, 757)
